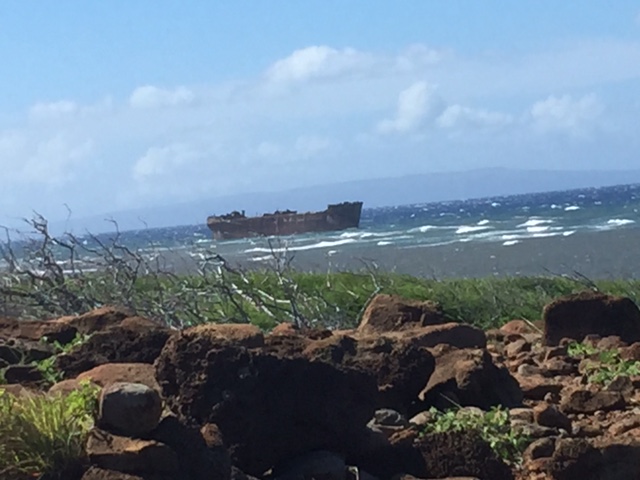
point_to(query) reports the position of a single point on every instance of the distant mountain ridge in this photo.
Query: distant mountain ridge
(406, 190)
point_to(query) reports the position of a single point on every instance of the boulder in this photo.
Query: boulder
(459, 335)
(130, 409)
(12, 328)
(390, 313)
(590, 313)
(119, 344)
(96, 320)
(610, 458)
(269, 407)
(23, 351)
(109, 373)
(401, 369)
(200, 455)
(588, 401)
(129, 455)
(455, 454)
(470, 378)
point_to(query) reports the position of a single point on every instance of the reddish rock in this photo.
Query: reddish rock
(222, 334)
(109, 373)
(514, 349)
(470, 377)
(457, 335)
(96, 320)
(401, 369)
(610, 458)
(65, 387)
(549, 416)
(457, 454)
(268, 407)
(587, 401)
(129, 455)
(115, 345)
(632, 352)
(589, 313)
(518, 327)
(389, 313)
(11, 328)
(536, 387)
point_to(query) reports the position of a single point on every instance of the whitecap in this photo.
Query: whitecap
(618, 222)
(571, 208)
(534, 221)
(483, 222)
(537, 229)
(470, 229)
(313, 246)
(508, 243)
(382, 243)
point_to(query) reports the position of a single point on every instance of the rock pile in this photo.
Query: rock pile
(229, 401)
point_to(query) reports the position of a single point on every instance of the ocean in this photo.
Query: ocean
(592, 232)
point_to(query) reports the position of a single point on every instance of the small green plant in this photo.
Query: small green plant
(493, 426)
(47, 366)
(603, 366)
(45, 434)
(581, 349)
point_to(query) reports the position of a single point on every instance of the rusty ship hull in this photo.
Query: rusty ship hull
(236, 225)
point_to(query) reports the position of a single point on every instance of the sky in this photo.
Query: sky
(108, 106)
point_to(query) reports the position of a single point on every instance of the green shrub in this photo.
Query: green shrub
(45, 434)
(493, 426)
(603, 366)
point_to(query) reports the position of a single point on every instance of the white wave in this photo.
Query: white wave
(470, 229)
(534, 221)
(483, 222)
(538, 229)
(571, 208)
(313, 246)
(495, 204)
(422, 229)
(382, 243)
(618, 222)
(510, 237)
(508, 243)
(568, 232)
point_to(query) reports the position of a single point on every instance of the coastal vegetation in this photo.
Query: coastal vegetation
(52, 276)
(45, 435)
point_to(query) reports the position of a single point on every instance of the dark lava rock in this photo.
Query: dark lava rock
(118, 344)
(268, 407)
(590, 313)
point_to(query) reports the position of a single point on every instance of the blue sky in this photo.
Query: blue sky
(114, 105)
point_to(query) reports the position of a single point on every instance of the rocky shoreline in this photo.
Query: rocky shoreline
(228, 401)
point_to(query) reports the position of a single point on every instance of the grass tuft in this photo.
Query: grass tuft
(45, 435)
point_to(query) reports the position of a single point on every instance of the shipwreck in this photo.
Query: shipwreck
(237, 225)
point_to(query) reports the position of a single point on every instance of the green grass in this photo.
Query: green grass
(493, 426)
(45, 435)
(333, 300)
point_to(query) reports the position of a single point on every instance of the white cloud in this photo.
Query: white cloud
(47, 161)
(149, 96)
(566, 114)
(417, 104)
(460, 116)
(317, 62)
(53, 110)
(164, 161)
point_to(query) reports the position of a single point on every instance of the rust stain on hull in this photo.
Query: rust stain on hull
(236, 225)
